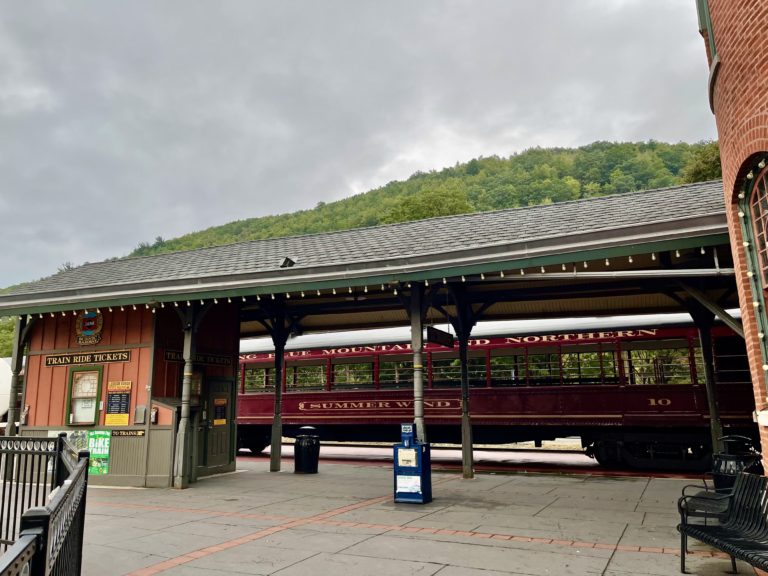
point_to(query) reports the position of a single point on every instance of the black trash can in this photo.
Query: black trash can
(739, 455)
(306, 451)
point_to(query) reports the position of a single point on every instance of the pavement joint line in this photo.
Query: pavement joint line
(214, 513)
(323, 519)
(209, 550)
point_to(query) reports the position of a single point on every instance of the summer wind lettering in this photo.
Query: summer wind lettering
(376, 405)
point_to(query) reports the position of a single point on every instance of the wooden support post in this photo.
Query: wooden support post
(463, 322)
(467, 456)
(716, 425)
(182, 460)
(417, 345)
(713, 307)
(704, 318)
(277, 420)
(279, 333)
(17, 360)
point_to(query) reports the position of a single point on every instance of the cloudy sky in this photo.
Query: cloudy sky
(123, 121)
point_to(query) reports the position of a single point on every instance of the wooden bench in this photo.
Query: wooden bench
(743, 532)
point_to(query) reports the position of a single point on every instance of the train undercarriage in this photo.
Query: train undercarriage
(673, 449)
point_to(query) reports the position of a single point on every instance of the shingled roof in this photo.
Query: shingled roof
(376, 253)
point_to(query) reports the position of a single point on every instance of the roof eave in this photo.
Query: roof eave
(680, 233)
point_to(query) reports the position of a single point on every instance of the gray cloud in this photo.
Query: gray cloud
(125, 121)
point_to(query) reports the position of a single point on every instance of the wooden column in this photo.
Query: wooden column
(182, 458)
(417, 345)
(467, 455)
(704, 320)
(463, 322)
(279, 332)
(20, 331)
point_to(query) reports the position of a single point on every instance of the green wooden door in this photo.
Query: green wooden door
(220, 423)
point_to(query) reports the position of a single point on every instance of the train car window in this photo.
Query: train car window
(395, 374)
(588, 365)
(610, 369)
(508, 370)
(446, 372)
(304, 378)
(660, 362)
(258, 379)
(353, 375)
(731, 362)
(543, 368)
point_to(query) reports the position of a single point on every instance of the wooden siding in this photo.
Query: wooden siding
(46, 388)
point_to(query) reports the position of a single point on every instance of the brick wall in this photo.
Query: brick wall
(740, 100)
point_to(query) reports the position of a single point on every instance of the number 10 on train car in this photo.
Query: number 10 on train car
(413, 474)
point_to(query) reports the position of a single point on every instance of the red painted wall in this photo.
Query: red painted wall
(145, 335)
(218, 334)
(46, 387)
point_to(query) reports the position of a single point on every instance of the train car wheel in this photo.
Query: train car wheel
(257, 447)
(607, 454)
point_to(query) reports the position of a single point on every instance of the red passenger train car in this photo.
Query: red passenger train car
(631, 387)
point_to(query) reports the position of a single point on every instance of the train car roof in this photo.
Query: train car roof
(482, 330)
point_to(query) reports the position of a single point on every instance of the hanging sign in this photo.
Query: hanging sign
(118, 403)
(88, 327)
(440, 337)
(98, 446)
(207, 359)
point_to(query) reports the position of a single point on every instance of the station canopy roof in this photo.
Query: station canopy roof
(620, 254)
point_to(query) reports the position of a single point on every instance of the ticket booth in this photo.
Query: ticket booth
(112, 379)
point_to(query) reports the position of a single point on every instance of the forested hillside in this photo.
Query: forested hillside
(535, 176)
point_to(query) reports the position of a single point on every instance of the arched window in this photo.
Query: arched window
(758, 207)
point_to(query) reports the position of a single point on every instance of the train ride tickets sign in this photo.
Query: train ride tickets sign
(118, 403)
(88, 358)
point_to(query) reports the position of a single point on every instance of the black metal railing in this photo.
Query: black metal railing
(43, 492)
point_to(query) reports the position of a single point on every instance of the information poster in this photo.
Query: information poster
(118, 403)
(98, 446)
(408, 484)
(406, 457)
(219, 411)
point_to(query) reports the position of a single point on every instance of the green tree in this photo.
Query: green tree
(620, 182)
(533, 176)
(6, 336)
(445, 199)
(703, 164)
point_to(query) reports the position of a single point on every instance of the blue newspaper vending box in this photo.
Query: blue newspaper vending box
(413, 474)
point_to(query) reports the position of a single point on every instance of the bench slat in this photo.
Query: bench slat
(743, 532)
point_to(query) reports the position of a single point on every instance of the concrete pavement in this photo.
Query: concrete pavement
(343, 521)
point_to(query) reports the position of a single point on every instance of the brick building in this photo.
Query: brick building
(736, 40)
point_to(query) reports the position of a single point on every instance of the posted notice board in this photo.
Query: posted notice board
(118, 403)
